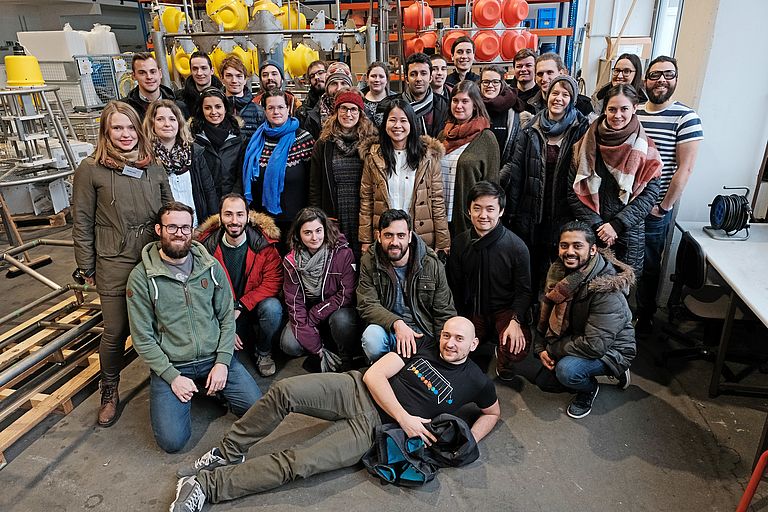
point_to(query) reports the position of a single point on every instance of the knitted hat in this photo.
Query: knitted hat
(270, 62)
(339, 71)
(570, 84)
(353, 97)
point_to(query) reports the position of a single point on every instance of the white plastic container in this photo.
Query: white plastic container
(101, 41)
(53, 45)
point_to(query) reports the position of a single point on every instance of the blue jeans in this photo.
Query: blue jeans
(656, 229)
(377, 342)
(579, 374)
(263, 322)
(171, 420)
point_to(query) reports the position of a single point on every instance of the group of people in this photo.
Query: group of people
(364, 227)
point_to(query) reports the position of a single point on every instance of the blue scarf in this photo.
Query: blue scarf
(274, 175)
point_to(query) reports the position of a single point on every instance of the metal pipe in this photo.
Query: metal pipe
(59, 326)
(32, 272)
(232, 33)
(35, 179)
(400, 37)
(40, 300)
(370, 47)
(39, 241)
(46, 351)
(30, 329)
(162, 62)
(70, 128)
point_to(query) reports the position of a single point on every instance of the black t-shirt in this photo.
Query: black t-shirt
(427, 386)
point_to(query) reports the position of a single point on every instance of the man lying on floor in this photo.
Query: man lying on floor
(410, 392)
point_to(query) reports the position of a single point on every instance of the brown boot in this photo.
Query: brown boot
(108, 412)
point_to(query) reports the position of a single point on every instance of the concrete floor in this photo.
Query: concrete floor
(661, 445)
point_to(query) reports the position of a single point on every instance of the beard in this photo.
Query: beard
(175, 251)
(658, 99)
(234, 231)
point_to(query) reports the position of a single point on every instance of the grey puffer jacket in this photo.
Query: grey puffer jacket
(113, 218)
(600, 321)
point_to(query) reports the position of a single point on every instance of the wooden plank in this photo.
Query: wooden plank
(34, 400)
(34, 416)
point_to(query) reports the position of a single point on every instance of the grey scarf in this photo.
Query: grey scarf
(310, 267)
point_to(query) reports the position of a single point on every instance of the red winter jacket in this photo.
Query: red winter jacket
(264, 277)
(339, 279)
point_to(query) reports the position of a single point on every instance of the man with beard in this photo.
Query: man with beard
(272, 77)
(182, 325)
(489, 271)
(548, 66)
(524, 69)
(431, 109)
(315, 76)
(676, 130)
(338, 77)
(245, 243)
(585, 325)
(200, 78)
(148, 89)
(463, 53)
(403, 293)
(393, 390)
(234, 75)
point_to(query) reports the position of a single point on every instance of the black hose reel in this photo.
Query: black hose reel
(730, 214)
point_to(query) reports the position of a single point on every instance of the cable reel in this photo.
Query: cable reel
(731, 214)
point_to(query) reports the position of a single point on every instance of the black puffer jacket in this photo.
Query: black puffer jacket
(203, 187)
(251, 113)
(525, 175)
(600, 321)
(627, 220)
(188, 96)
(225, 163)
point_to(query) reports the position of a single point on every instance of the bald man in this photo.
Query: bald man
(437, 379)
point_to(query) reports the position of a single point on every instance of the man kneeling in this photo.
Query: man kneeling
(585, 327)
(390, 390)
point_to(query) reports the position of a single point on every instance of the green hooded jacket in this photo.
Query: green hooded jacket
(174, 322)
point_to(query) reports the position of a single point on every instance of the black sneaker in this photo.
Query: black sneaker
(623, 379)
(189, 496)
(582, 403)
(212, 459)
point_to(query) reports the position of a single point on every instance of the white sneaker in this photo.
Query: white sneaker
(189, 496)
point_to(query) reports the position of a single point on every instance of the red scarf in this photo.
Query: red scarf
(456, 135)
(629, 155)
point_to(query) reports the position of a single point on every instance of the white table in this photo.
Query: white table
(742, 264)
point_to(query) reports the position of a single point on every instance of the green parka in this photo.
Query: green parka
(173, 322)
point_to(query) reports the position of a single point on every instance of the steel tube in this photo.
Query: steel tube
(40, 300)
(349, 31)
(32, 272)
(30, 329)
(39, 241)
(370, 46)
(47, 350)
(162, 62)
(35, 179)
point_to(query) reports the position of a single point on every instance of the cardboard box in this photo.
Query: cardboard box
(640, 46)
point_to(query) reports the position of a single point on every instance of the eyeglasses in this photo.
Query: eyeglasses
(494, 83)
(172, 229)
(625, 71)
(274, 108)
(349, 110)
(317, 73)
(669, 74)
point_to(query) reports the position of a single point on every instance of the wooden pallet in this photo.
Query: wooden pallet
(58, 399)
(29, 222)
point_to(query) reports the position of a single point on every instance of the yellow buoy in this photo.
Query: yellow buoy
(181, 62)
(244, 56)
(217, 56)
(297, 21)
(298, 60)
(266, 5)
(231, 14)
(172, 18)
(23, 71)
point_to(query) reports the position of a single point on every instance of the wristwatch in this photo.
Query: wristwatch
(661, 209)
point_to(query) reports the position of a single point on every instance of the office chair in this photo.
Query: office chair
(697, 294)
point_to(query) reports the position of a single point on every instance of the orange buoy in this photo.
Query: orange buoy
(487, 45)
(448, 40)
(512, 42)
(486, 13)
(429, 38)
(513, 12)
(414, 45)
(418, 15)
(532, 40)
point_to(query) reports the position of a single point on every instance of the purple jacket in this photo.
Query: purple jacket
(339, 282)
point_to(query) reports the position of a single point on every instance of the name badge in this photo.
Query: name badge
(132, 172)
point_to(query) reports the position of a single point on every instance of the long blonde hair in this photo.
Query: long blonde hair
(183, 136)
(104, 147)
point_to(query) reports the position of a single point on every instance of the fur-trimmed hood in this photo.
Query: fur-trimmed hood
(372, 147)
(260, 221)
(611, 275)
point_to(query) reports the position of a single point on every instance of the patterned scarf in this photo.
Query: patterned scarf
(456, 135)
(117, 159)
(176, 160)
(560, 288)
(274, 175)
(326, 107)
(422, 107)
(346, 143)
(629, 155)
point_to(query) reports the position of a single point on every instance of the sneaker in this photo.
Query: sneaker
(210, 460)
(189, 496)
(623, 379)
(582, 403)
(265, 365)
